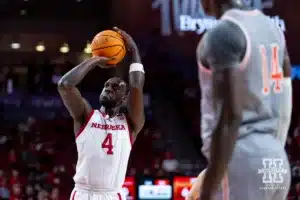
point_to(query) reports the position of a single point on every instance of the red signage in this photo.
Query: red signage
(129, 188)
(181, 186)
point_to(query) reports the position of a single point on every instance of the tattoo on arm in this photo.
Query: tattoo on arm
(78, 107)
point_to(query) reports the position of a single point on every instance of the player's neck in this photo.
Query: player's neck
(235, 5)
(110, 112)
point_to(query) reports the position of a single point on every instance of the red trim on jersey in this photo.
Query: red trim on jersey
(129, 130)
(204, 68)
(73, 196)
(85, 124)
(120, 197)
(102, 113)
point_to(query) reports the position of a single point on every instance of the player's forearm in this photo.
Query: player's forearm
(136, 58)
(136, 72)
(222, 146)
(136, 99)
(75, 75)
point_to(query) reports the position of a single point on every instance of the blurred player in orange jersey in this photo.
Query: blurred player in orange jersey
(245, 79)
(104, 136)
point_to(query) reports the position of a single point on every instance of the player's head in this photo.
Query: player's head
(218, 7)
(114, 93)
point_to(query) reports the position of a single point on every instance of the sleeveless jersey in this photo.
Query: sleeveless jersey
(103, 147)
(262, 68)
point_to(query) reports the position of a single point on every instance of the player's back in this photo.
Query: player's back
(263, 68)
(262, 71)
(103, 146)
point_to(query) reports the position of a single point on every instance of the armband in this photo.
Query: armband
(136, 67)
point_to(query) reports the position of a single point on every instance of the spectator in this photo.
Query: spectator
(296, 170)
(54, 194)
(170, 164)
(12, 156)
(4, 192)
(42, 195)
(156, 164)
(15, 178)
(16, 192)
(132, 172)
(29, 192)
(297, 132)
(298, 191)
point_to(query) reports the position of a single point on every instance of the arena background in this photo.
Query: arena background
(38, 153)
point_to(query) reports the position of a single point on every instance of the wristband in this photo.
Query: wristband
(136, 67)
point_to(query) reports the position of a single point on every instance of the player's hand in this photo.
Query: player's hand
(100, 61)
(129, 42)
(191, 196)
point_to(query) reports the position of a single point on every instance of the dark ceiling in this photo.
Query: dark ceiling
(55, 9)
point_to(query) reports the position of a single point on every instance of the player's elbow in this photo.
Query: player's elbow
(63, 84)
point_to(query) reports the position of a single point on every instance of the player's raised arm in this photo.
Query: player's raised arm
(222, 50)
(78, 107)
(136, 84)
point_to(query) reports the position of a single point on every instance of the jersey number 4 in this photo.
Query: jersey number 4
(108, 144)
(276, 74)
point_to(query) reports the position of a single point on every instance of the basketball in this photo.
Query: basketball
(109, 44)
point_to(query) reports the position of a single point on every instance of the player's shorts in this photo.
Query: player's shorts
(259, 170)
(79, 194)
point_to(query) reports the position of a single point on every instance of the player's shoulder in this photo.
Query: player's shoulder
(225, 33)
(222, 45)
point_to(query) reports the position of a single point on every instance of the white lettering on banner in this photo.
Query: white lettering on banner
(189, 15)
(155, 192)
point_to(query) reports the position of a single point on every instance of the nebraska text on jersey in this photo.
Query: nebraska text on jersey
(107, 126)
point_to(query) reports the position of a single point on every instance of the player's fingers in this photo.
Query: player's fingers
(116, 28)
(123, 33)
(104, 60)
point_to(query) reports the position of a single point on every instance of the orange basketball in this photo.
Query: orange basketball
(109, 44)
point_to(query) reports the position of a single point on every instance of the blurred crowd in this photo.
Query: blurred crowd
(40, 159)
(39, 155)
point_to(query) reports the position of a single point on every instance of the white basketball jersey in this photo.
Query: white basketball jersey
(103, 147)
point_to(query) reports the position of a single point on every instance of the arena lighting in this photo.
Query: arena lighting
(64, 48)
(88, 49)
(15, 45)
(40, 47)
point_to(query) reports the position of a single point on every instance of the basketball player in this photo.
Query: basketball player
(104, 137)
(244, 73)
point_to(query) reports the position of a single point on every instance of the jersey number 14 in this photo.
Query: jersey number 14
(276, 74)
(108, 144)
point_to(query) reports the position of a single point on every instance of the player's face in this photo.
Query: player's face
(113, 93)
